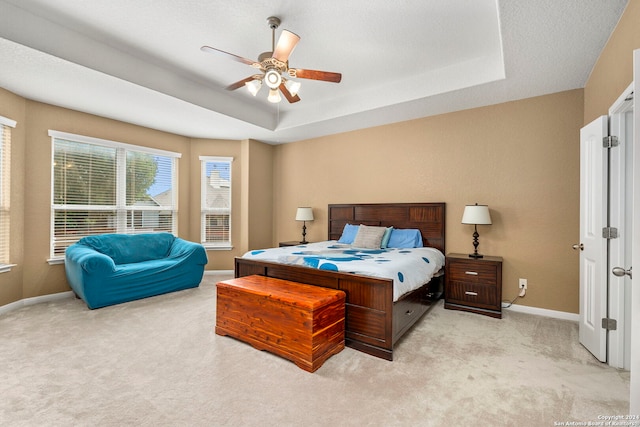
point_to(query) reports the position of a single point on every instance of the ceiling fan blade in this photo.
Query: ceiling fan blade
(240, 83)
(326, 76)
(237, 58)
(291, 98)
(286, 43)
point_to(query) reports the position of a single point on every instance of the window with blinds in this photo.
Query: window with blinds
(5, 192)
(104, 186)
(216, 202)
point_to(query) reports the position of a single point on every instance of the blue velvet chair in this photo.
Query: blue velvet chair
(111, 269)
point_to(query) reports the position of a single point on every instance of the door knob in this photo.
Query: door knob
(578, 246)
(621, 272)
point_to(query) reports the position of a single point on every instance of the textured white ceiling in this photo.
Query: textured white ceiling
(140, 62)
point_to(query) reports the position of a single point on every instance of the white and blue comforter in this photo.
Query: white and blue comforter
(409, 268)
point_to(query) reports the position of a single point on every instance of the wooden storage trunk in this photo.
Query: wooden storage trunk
(302, 323)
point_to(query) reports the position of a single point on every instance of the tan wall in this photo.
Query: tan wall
(521, 158)
(259, 193)
(613, 71)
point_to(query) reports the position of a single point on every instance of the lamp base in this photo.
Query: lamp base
(304, 233)
(475, 253)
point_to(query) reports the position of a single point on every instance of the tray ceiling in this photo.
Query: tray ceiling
(140, 62)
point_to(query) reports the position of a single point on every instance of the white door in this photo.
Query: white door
(593, 253)
(634, 398)
(620, 217)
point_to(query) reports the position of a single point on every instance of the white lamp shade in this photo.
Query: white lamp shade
(274, 96)
(476, 214)
(294, 87)
(254, 86)
(304, 214)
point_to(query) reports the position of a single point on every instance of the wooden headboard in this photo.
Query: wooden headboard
(429, 218)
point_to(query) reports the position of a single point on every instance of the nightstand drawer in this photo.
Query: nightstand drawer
(478, 295)
(474, 272)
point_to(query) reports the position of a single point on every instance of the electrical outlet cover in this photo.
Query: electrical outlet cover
(522, 284)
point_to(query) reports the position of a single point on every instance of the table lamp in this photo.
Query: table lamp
(476, 214)
(304, 214)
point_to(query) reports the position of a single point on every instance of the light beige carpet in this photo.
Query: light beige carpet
(158, 362)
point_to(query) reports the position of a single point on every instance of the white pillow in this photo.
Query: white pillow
(369, 237)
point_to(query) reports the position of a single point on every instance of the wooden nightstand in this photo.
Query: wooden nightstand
(291, 243)
(474, 284)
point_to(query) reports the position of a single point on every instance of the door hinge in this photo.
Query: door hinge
(610, 141)
(609, 324)
(609, 233)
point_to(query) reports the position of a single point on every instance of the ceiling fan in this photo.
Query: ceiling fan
(274, 65)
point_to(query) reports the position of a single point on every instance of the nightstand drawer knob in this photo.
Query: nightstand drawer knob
(475, 294)
(471, 273)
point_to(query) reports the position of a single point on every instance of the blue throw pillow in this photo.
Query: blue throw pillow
(349, 233)
(385, 238)
(405, 238)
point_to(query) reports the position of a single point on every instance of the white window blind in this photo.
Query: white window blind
(5, 191)
(216, 201)
(103, 186)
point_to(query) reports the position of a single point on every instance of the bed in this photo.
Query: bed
(375, 319)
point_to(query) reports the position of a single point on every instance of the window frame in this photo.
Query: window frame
(211, 245)
(6, 124)
(121, 207)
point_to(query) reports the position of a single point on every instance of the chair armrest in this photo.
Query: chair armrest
(183, 248)
(89, 259)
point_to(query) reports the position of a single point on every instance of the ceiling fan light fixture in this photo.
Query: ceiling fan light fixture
(273, 78)
(254, 86)
(294, 87)
(274, 96)
(274, 66)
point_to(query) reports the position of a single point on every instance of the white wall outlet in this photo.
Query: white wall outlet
(522, 283)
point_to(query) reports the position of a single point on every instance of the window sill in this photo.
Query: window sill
(5, 268)
(55, 261)
(217, 248)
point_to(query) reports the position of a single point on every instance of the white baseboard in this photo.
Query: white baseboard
(35, 300)
(219, 272)
(563, 315)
